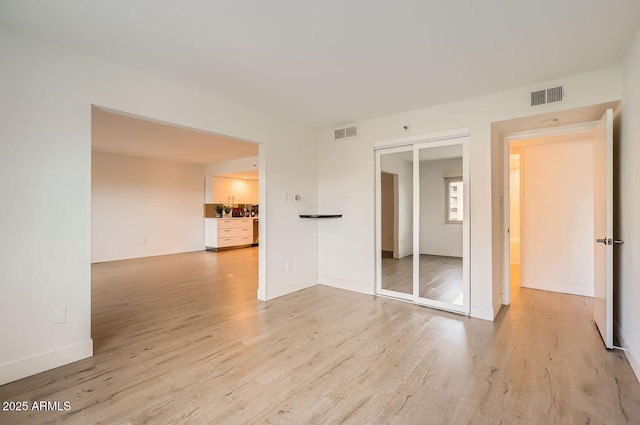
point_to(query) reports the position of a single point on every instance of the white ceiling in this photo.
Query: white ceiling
(331, 62)
(124, 135)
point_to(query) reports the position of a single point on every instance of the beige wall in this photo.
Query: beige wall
(142, 207)
(557, 228)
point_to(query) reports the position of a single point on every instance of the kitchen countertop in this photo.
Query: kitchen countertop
(232, 218)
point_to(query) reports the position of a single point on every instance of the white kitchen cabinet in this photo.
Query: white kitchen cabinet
(234, 191)
(245, 191)
(222, 188)
(227, 232)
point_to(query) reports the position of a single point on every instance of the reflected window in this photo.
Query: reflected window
(454, 205)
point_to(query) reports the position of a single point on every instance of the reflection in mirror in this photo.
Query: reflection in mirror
(441, 219)
(397, 221)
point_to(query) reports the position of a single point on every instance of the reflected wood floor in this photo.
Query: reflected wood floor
(181, 339)
(440, 277)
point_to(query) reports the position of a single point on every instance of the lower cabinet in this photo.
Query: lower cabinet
(227, 232)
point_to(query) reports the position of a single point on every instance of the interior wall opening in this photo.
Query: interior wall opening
(151, 195)
(551, 213)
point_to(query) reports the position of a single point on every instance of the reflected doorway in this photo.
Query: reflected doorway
(423, 224)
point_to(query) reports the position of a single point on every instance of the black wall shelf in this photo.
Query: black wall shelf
(320, 215)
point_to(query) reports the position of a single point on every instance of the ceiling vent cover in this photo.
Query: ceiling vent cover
(550, 95)
(345, 133)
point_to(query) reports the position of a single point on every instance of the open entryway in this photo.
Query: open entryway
(558, 197)
(152, 201)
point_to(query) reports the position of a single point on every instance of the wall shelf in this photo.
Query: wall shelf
(320, 215)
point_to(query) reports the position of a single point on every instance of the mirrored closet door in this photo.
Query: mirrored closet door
(422, 224)
(395, 227)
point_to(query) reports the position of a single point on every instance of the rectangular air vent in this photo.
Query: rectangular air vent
(555, 94)
(538, 97)
(551, 95)
(345, 133)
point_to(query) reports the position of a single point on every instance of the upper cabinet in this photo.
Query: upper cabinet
(234, 191)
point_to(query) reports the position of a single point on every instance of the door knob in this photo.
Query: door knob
(618, 242)
(603, 240)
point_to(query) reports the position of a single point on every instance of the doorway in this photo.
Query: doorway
(551, 212)
(423, 223)
(147, 194)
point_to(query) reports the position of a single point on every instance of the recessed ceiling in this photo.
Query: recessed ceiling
(330, 62)
(125, 135)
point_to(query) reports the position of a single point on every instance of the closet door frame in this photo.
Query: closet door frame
(414, 144)
(465, 308)
(378, 232)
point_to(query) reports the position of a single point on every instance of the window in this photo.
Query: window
(454, 205)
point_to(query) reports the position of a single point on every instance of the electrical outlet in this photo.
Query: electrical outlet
(288, 265)
(59, 315)
(285, 196)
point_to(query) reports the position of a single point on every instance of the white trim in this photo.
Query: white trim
(484, 313)
(378, 224)
(262, 229)
(562, 288)
(552, 131)
(41, 362)
(361, 287)
(631, 352)
(454, 133)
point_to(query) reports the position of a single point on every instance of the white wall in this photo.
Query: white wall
(232, 166)
(403, 211)
(45, 157)
(436, 236)
(347, 181)
(142, 207)
(514, 208)
(557, 228)
(627, 291)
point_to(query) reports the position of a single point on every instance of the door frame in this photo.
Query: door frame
(378, 223)
(506, 198)
(413, 144)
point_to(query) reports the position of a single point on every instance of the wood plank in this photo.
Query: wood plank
(182, 339)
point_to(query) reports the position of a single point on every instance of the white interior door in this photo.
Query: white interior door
(603, 228)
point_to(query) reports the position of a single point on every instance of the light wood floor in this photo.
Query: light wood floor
(440, 277)
(181, 340)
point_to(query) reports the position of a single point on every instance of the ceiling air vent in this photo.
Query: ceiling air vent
(345, 133)
(538, 97)
(551, 95)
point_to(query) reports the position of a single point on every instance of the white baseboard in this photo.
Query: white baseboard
(363, 288)
(262, 295)
(631, 352)
(562, 288)
(27, 366)
(485, 313)
(270, 295)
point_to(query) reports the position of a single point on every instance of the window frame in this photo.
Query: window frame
(447, 198)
